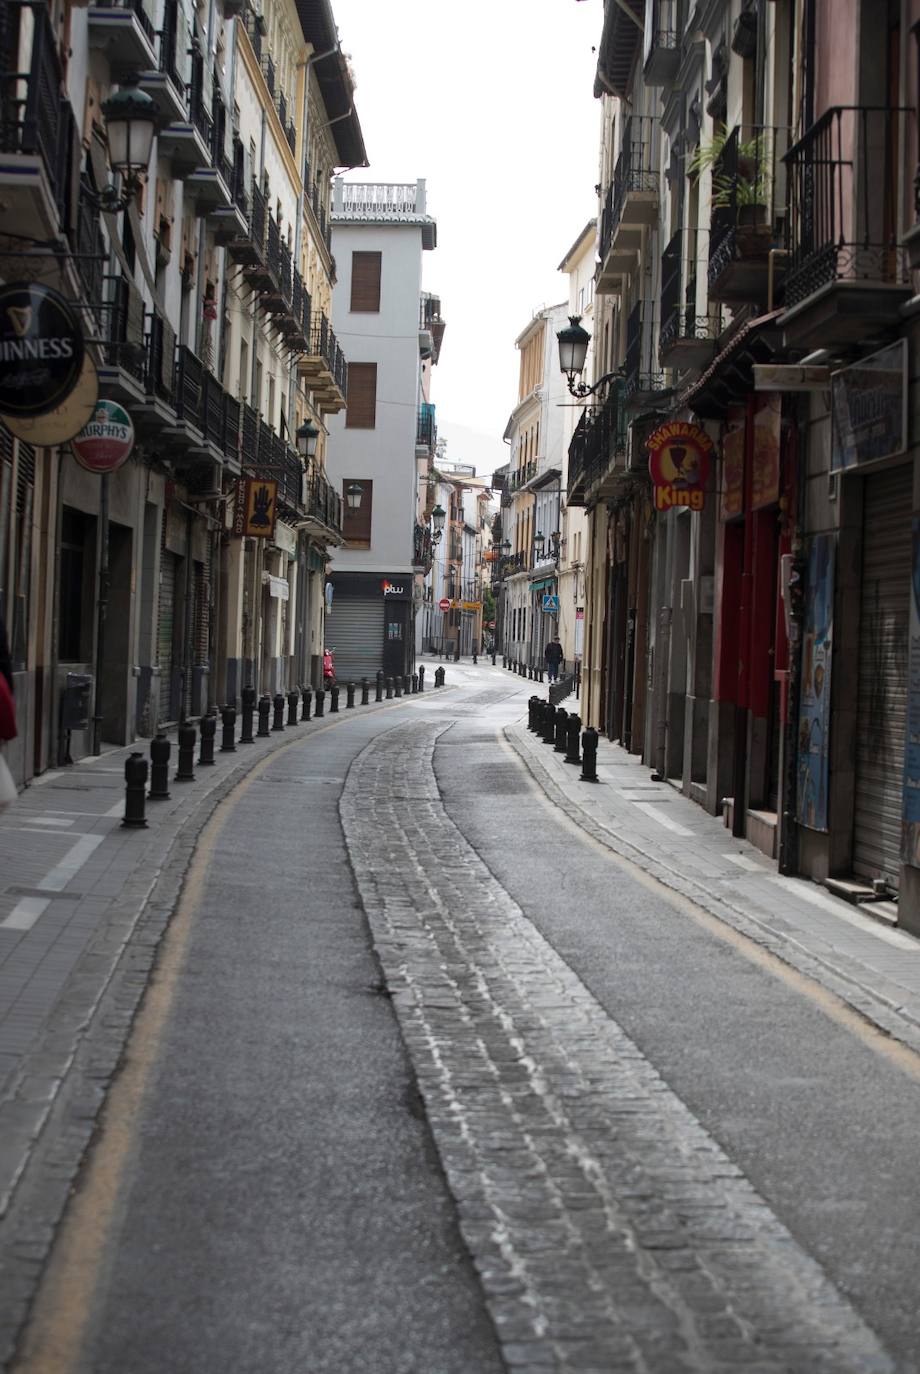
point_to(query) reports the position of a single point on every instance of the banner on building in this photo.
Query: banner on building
(732, 503)
(869, 409)
(678, 464)
(256, 508)
(814, 704)
(910, 817)
(765, 462)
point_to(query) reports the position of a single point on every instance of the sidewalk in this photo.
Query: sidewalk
(873, 968)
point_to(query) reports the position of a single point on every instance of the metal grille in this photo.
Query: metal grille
(354, 629)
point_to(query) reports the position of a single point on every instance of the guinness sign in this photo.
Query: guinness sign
(41, 349)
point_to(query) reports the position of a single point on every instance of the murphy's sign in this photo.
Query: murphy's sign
(41, 349)
(678, 464)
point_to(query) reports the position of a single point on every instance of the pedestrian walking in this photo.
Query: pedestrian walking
(553, 656)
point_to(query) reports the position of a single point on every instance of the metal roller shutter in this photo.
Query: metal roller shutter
(883, 635)
(354, 631)
(169, 710)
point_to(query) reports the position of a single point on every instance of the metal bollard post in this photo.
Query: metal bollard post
(414, 684)
(407, 685)
(159, 767)
(135, 791)
(389, 691)
(278, 721)
(532, 704)
(421, 677)
(293, 699)
(320, 699)
(398, 685)
(306, 697)
(589, 756)
(249, 705)
(562, 717)
(349, 696)
(185, 772)
(549, 723)
(539, 674)
(365, 691)
(207, 728)
(228, 724)
(475, 658)
(265, 709)
(333, 699)
(573, 727)
(378, 687)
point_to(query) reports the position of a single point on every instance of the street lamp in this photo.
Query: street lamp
(573, 351)
(307, 437)
(538, 543)
(130, 124)
(438, 516)
(353, 494)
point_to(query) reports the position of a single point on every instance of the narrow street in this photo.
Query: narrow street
(402, 1096)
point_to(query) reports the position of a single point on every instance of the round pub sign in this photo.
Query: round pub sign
(678, 464)
(105, 443)
(41, 349)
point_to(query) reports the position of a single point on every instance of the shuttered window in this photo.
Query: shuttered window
(361, 412)
(365, 282)
(356, 524)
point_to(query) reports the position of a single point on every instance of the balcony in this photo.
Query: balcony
(630, 205)
(248, 248)
(597, 452)
(265, 454)
(687, 340)
(232, 223)
(323, 511)
(430, 327)
(422, 549)
(662, 43)
(426, 431)
(749, 211)
(323, 369)
(188, 141)
(644, 379)
(846, 276)
(167, 82)
(123, 31)
(38, 127)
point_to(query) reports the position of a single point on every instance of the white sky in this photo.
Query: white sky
(491, 101)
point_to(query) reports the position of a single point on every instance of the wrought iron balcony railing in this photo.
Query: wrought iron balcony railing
(425, 429)
(749, 202)
(635, 170)
(30, 101)
(422, 547)
(187, 388)
(599, 441)
(324, 503)
(641, 371)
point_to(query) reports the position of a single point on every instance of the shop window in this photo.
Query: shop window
(356, 524)
(361, 411)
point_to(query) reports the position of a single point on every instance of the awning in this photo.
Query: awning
(544, 584)
(623, 25)
(729, 379)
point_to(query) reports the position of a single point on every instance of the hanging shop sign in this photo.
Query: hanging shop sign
(765, 452)
(678, 463)
(67, 419)
(256, 508)
(106, 442)
(869, 409)
(732, 499)
(815, 700)
(41, 349)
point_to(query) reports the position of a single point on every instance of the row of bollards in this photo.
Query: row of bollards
(270, 713)
(561, 729)
(535, 674)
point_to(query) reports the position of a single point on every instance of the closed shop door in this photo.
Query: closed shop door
(166, 627)
(882, 707)
(354, 631)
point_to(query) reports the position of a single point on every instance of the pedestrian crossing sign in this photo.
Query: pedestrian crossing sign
(551, 605)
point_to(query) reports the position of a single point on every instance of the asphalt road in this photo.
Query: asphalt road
(265, 1195)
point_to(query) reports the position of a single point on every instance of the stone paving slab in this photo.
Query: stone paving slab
(609, 1229)
(873, 968)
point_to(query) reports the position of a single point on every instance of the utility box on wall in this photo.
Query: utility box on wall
(75, 701)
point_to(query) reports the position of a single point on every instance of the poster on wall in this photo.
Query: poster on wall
(765, 455)
(732, 474)
(869, 408)
(814, 704)
(910, 822)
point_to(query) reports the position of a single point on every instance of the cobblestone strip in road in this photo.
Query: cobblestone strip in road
(609, 1230)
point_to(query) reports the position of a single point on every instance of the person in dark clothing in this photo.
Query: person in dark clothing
(6, 660)
(553, 655)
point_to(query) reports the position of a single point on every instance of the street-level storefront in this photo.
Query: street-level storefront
(370, 625)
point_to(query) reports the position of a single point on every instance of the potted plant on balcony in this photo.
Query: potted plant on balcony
(744, 186)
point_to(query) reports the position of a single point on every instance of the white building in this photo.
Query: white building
(379, 234)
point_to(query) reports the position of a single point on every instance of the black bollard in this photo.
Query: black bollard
(562, 717)
(320, 702)
(185, 772)
(349, 696)
(389, 691)
(475, 658)
(549, 723)
(378, 688)
(207, 728)
(421, 677)
(306, 697)
(265, 710)
(398, 685)
(293, 699)
(414, 684)
(407, 685)
(589, 756)
(533, 718)
(539, 674)
(228, 724)
(333, 699)
(365, 691)
(278, 722)
(159, 767)
(249, 705)
(573, 727)
(135, 791)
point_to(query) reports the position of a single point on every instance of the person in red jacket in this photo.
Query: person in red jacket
(328, 668)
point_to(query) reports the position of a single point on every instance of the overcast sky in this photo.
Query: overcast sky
(491, 101)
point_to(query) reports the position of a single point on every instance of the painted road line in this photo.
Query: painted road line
(652, 810)
(45, 820)
(809, 893)
(28, 909)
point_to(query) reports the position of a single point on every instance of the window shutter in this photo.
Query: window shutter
(356, 524)
(365, 282)
(361, 412)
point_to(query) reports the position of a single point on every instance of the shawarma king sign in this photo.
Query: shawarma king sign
(679, 454)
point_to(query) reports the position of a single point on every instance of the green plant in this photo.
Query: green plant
(748, 183)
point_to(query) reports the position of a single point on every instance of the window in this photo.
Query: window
(365, 282)
(361, 411)
(356, 524)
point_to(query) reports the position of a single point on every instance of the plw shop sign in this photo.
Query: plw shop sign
(678, 462)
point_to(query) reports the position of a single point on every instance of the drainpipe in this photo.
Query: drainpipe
(102, 605)
(742, 689)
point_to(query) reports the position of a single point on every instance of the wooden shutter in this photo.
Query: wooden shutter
(356, 524)
(365, 282)
(361, 412)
